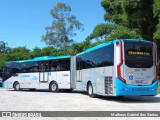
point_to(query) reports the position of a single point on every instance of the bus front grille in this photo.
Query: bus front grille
(108, 85)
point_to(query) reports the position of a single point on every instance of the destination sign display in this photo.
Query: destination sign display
(138, 53)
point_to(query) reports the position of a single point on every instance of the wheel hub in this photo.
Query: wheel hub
(90, 89)
(17, 86)
(54, 87)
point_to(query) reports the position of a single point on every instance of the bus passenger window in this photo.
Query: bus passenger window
(53, 65)
(58, 67)
(53, 68)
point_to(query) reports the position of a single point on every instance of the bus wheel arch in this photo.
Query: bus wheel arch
(16, 86)
(90, 89)
(53, 86)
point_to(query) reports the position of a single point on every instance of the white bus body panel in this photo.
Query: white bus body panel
(40, 80)
(97, 77)
(63, 79)
(139, 76)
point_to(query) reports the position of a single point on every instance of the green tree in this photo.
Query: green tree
(20, 49)
(36, 52)
(101, 31)
(4, 47)
(114, 11)
(4, 58)
(49, 51)
(78, 47)
(156, 11)
(129, 19)
(4, 51)
(63, 27)
(19, 53)
(140, 16)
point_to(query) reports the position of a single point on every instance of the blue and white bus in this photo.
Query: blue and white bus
(117, 68)
(47, 72)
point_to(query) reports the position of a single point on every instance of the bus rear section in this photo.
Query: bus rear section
(137, 70)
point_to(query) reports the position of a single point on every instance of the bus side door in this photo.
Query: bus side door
(43, 71)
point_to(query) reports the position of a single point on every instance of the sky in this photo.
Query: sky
(23, 22)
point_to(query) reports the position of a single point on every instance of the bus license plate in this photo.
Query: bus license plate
(139, 89)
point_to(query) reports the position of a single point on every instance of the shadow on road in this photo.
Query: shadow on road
(126, 99)
(133, 99)
(47, 91)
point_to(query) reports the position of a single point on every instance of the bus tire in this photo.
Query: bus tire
(53, 87)
(90, 90)
(16, 86)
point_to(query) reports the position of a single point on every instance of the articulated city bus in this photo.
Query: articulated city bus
(117, 68)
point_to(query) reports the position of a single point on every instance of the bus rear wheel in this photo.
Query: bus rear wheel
(90, 91)
(16, 86)
(53, 87)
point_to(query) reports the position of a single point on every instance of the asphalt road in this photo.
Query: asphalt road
(11, 100)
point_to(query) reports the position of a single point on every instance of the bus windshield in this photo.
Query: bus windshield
(138, 54)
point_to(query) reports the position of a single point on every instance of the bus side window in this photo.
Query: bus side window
(65, 64)
(53, 68)
(53, 65)
(23, 67)
(33, 67)
(43, 66)
(78, 66)
(7, 71)
(15, 71)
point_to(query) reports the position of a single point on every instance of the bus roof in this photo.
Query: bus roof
(43, 58)
(109, 43)
(136, 40)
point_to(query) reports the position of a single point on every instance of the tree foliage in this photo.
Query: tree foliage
(4, 47)
(23, 53)
(114, 12)
(129, 19)
(63, 27)
(140, 16)
(101, 31)
(156, 11)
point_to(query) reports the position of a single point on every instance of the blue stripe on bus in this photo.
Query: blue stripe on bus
(98, 46)
(124, 89)
(44, 58)
(136, 40)
(108, 43)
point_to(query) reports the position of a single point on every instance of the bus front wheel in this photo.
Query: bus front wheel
(16, 86)
(90, 91)
(53, 87)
